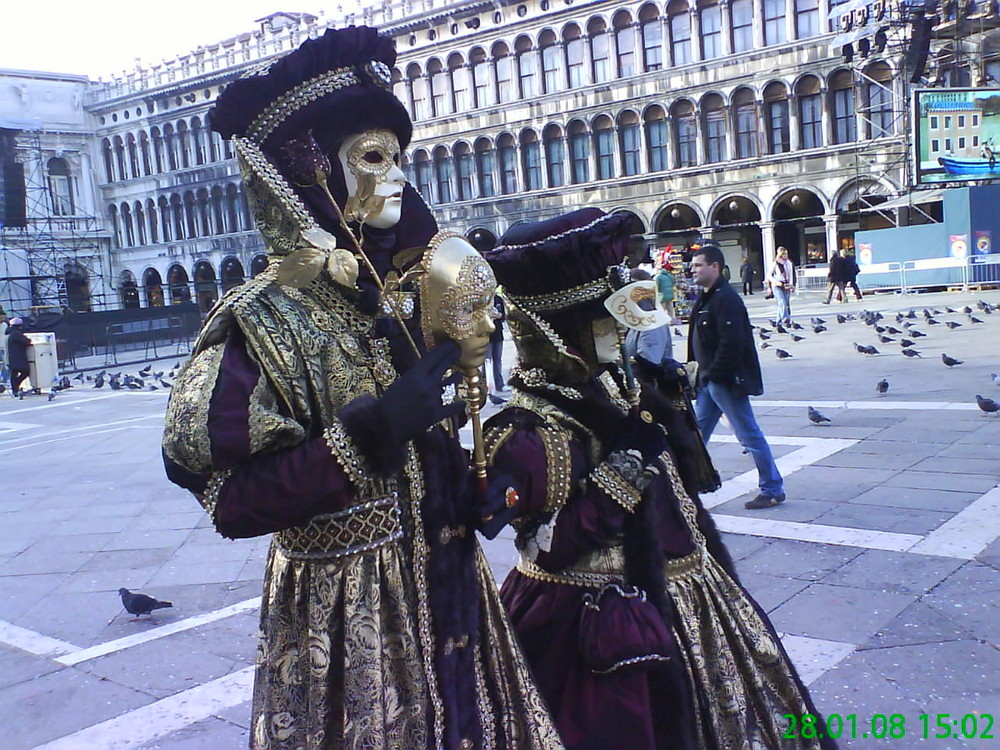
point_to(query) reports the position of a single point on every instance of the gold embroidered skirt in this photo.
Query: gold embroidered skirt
(734, 661)
(339, 662)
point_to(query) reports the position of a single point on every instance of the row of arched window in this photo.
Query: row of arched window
(810, 113)
(599, 51)
(204, 289)
(193, 214)
(168, 148)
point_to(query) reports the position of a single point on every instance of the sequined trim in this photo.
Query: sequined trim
(303, 94)
(597, 569)
(360, 528)
(616, 487)
(628, 662)
(563, 298)
(535, 377)
(558, 481)
(255, 161)
(567, 233)
(421, 553)
(210, 499)
(344, 451)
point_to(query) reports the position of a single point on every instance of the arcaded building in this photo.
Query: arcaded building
(748, 121)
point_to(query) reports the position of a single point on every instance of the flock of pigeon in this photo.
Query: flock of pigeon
(904, 332)
(144, 380)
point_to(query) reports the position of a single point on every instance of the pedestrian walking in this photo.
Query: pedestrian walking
(17, 355)
(836, 277)
(666, 288)
(721, 341)
(746, 276)
(782, 281)
(851, 272)
(494, 353)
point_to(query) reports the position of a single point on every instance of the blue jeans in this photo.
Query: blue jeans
(713, 401)
(784, 306)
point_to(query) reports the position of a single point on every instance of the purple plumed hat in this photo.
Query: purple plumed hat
(556, 275)
(564, 266)
(334, 85)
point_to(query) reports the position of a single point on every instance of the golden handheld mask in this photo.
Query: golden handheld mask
(456, 297)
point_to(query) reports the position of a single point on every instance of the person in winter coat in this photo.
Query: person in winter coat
(720, 340)
(17, 354)
(782, 281)
(746, 276)
(836, 277)
(851, 271)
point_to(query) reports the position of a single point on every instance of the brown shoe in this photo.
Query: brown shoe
(764, 501)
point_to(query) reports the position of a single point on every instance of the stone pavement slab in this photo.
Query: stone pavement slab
(86, 509)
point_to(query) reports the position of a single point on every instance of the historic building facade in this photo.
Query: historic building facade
(735, 119)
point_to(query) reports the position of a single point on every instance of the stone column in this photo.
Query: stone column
(727, 27)
(768, 246)
(758, 24)
(832, 244)
(695, 33)
(794, 130)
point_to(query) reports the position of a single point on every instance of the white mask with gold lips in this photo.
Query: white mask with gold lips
(374, 180)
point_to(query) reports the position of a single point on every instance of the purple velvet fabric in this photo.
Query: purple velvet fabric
(628, 711)
(273, 491)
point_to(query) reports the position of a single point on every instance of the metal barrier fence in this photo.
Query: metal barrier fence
(911, 275)
(876, 277)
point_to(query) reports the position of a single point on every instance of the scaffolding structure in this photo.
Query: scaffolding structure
(56, 262)
(960, 33)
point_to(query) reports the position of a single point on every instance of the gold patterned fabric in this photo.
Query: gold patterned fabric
(739, 675)
(346, 654)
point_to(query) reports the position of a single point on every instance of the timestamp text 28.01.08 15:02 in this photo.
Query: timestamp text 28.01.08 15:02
(891, 726)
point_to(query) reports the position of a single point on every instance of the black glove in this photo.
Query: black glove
(638, 434)
(498, 506)
(412, 404)
(380, 428)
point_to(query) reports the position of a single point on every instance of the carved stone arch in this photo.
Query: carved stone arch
(853, 193)
(678, 215)
(803, 192)
(735, 208)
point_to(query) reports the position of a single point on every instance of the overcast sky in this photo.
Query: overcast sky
(104, 37)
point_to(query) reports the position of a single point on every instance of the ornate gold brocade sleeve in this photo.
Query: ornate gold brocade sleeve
(252, 467)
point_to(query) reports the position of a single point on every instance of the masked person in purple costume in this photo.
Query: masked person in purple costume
(624, 598)
(306, 413)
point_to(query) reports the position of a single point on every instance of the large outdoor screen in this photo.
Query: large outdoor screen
(957, 135)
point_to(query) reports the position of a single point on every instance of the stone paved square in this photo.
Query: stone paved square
(881, 570)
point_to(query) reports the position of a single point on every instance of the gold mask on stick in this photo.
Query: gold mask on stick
(456, 302)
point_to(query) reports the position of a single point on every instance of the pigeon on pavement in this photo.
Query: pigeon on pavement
(950, 361)
(995, 377)
(816, 417)
(988, 405)
(882, 386)
(905, 343)
(140, 604)
(911, 353)
(974, 319)
(782, 354)
(953, 325)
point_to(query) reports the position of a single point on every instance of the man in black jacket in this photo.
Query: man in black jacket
(720, 339)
